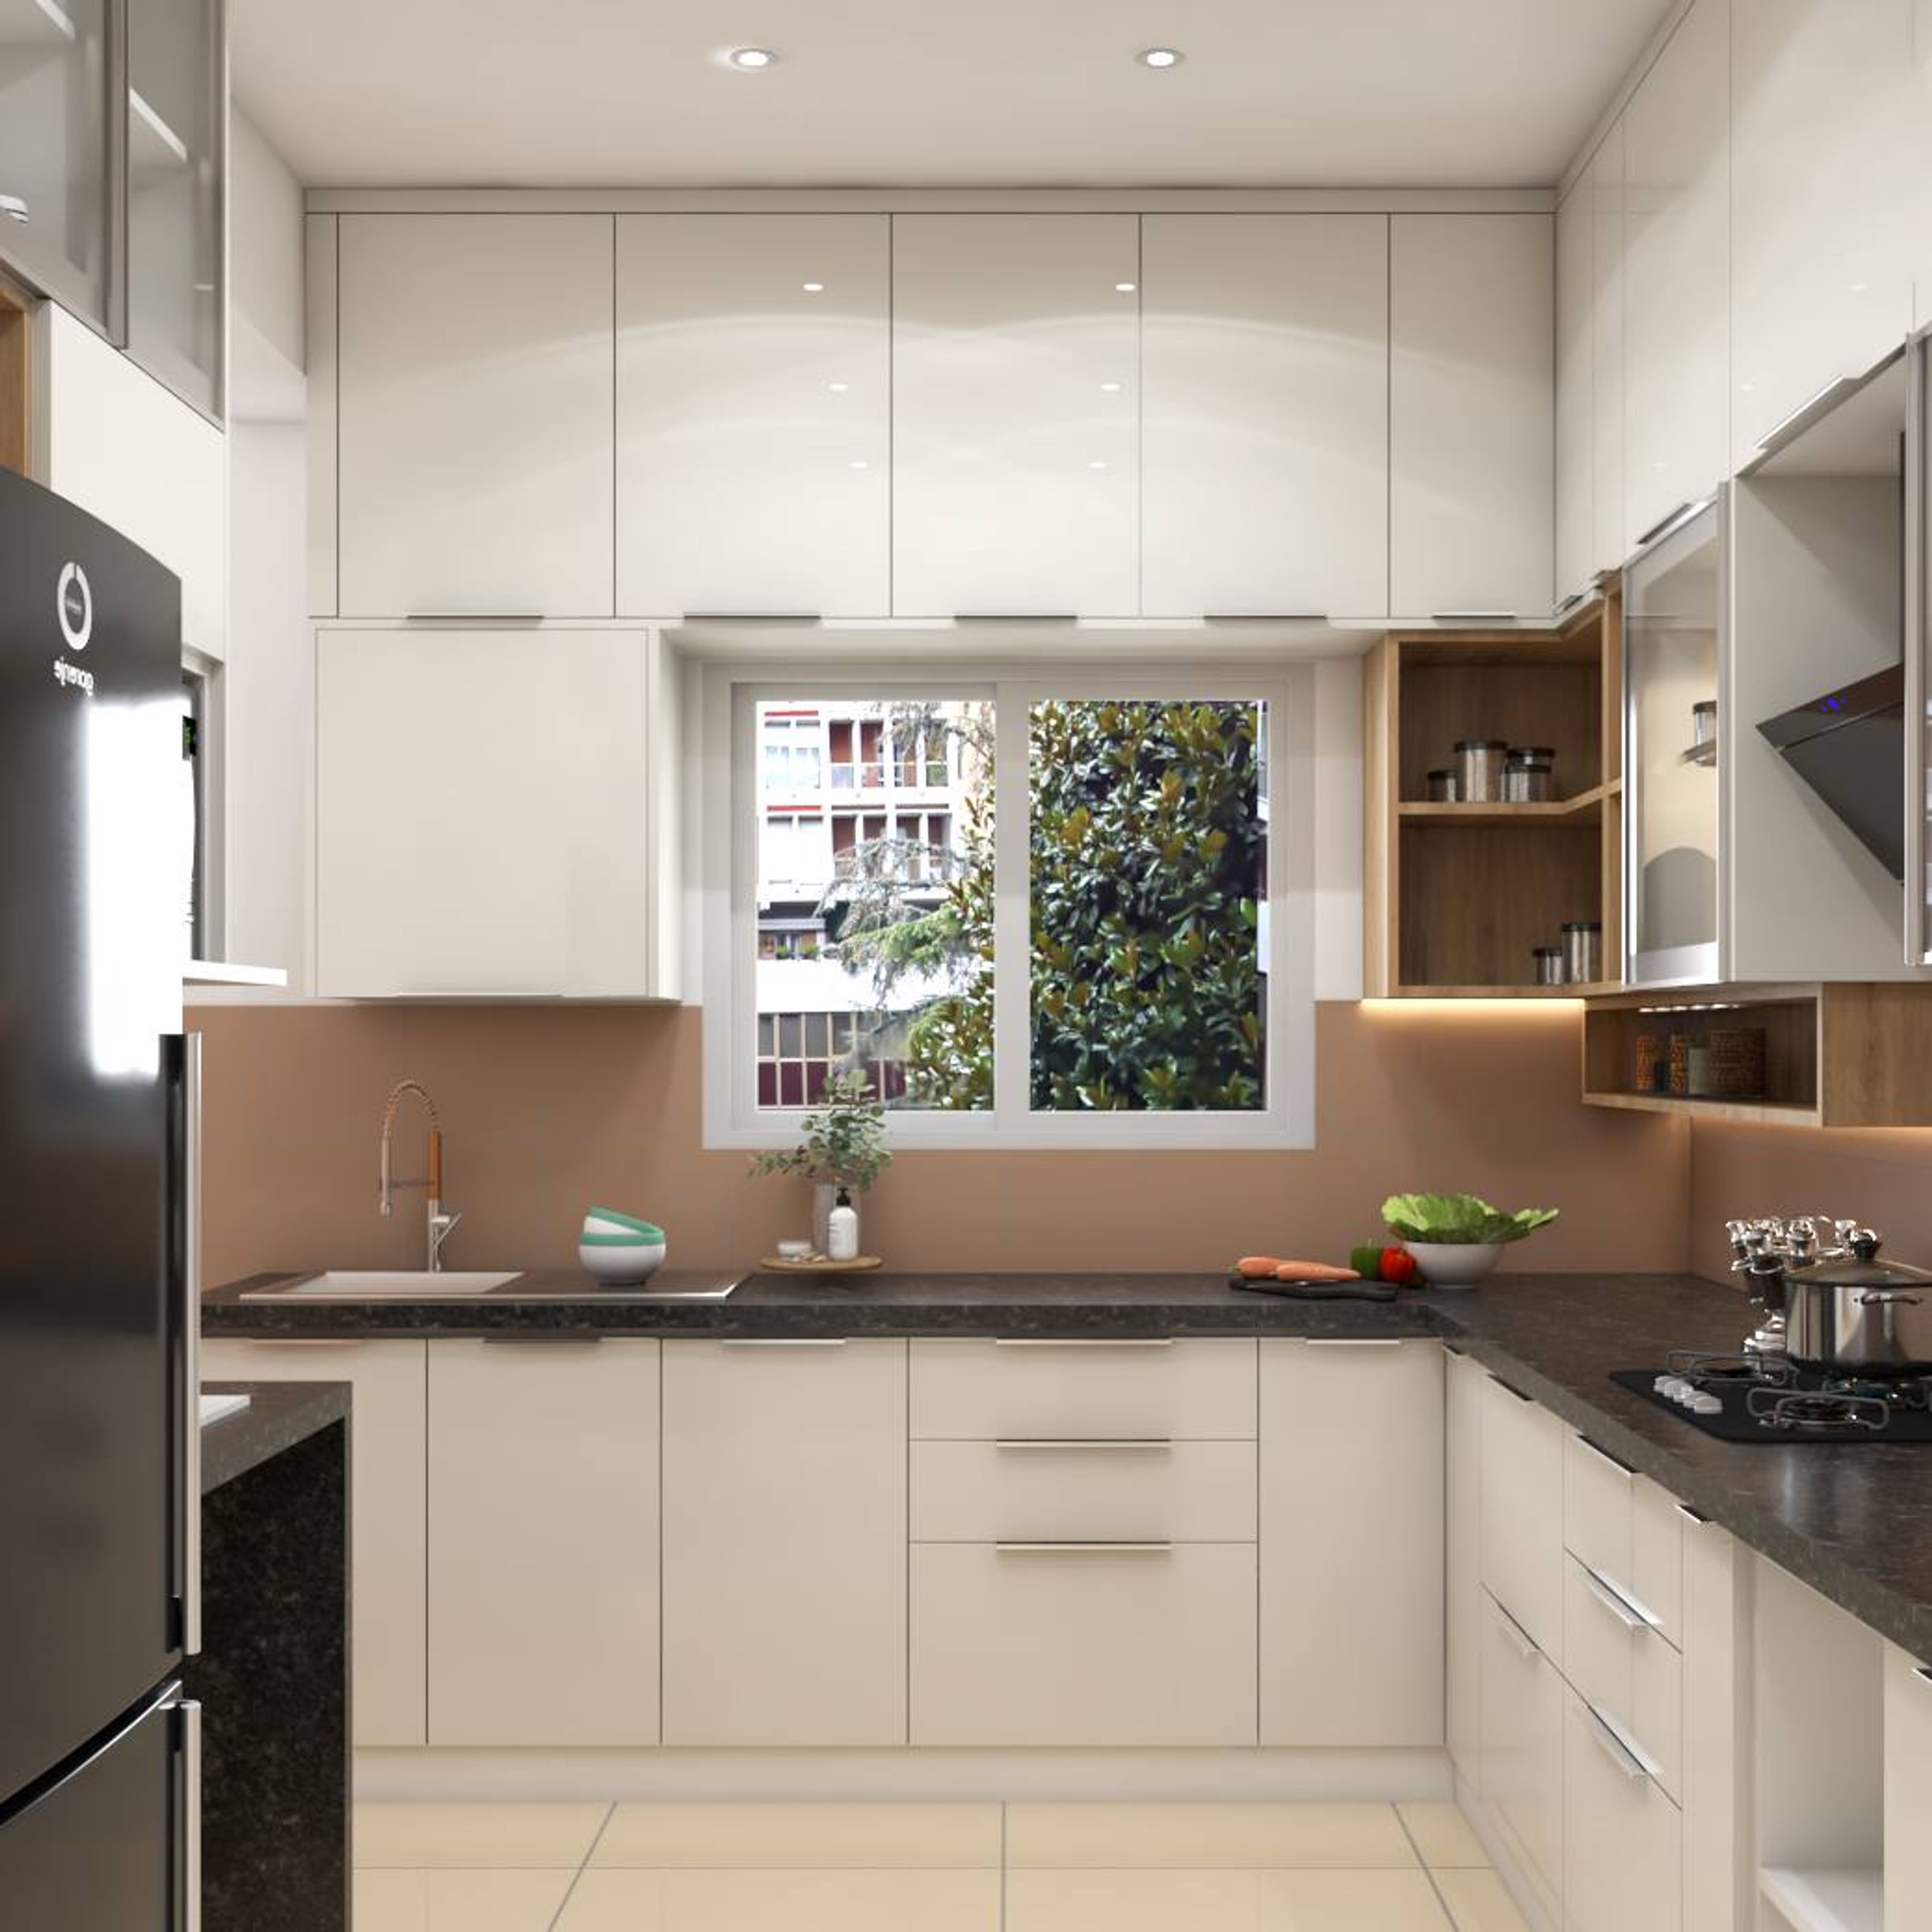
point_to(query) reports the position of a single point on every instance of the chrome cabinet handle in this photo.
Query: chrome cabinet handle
(1678, 513)
(1626, 1609)
(1135, 1548)
(1096, 1444)
(1602, 1455)
(14, 209)
(1083, 1341)
(1520, 1639)
(1787, 428)
(1615, 1747)
(1354, 1341)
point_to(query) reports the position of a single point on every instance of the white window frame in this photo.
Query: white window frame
(729, 810)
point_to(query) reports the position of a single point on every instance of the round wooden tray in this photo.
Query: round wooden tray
(818, 1265)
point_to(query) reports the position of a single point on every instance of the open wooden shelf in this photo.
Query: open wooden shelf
(1457, 895)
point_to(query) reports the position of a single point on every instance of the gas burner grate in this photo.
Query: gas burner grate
(1814, 1412)
(1779, 1402)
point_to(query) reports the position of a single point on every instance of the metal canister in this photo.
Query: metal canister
(1441, 786)
(1529, 774)
(1479, 770)
(1582, 951)
(1549, 961)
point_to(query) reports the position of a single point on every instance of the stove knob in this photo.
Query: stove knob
(1664, 1384)
(1705, 1405)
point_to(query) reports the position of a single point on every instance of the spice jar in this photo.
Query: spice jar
(1548, 964)
(1479, 770)
(1441, 789)
(1582, 951)
(1529, 774)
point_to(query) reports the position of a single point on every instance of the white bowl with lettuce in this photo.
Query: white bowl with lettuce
(1457, 1239)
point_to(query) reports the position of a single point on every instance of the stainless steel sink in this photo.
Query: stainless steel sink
(386, 1284)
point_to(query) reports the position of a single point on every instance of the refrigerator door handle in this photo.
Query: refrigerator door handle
(190, 1767)
(189, 1209)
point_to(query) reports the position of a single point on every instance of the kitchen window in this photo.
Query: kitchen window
(1051, 910)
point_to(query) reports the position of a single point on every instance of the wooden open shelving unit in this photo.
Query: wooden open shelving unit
(15, 337)
(1456, 896)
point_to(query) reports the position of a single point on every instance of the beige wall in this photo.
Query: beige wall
(1880, 1176)
(548, 1110)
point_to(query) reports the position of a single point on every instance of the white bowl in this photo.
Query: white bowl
(622, 1266)
(1455, 1264)
(601, 1224)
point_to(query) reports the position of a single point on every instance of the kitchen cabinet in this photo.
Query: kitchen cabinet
(474, 400)
(1462, 1565)
(1471, 413)
(57, 194)
(1264, 394)
(543, 1542)
(483, 824)
(1718, 1893)
(1351, 1432)
(1523, 1699)
(1824, 199)
(1603, 187)
(1676, 275)
(1908, 1787)
(1576, 402)
(1015, 443)
(177, 108)
(753, 403)
(1523, 1513)
(1622, 1835)
(1627, 1673)
(784, 1543)
(1627, 1532)
(388, 1513)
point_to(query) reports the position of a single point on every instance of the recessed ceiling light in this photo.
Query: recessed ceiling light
(860, 462)
(751, 59)
(1123, 288)
(813, 288)
(839, 388)
(1110, 389)
(1159, 57)
(1098, 463)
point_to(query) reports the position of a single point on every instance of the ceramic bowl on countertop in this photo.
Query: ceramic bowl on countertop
(1455, 1264)
(619, 1261)
(609, 1221)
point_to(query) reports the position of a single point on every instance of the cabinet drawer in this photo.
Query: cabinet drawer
(1623, 1839)
(991, 1391)
(1083, 1489)
(1522, 1750)
(1522, 1512)
(1078, 1646)
(1624, 1667)
(1624, 1527)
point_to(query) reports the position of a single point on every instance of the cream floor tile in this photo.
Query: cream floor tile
(1442, 1835)
(683, 1901)
(395, 1900)
(1103, 1837)
(1350, 1901)
(1150, 1900)
(476, 1836)
(798, 1837)
(1477, 1901)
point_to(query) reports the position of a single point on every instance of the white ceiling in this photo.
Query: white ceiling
(990, 93)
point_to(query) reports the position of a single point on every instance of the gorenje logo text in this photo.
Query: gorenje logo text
(73, 675)
(74, 605)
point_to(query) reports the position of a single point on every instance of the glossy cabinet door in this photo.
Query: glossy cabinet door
(543, 1542)
(1672, 622)
(474, 394)
(1351, 1432)
(1623, 1838)
(389, 1523)
(1015, 443)
(1523, 1513)
(1824, 198)
(1265, 411)
(1719, 1886)
(59, 151)
(177, 142)
(1523, 1699)
(1908, 1787)
(754, 414)
(784, 1543)
(1576, 375)
(1471, 403)
(483, 821)
(1676, 275)
(1603, 184)
(1463, 1565)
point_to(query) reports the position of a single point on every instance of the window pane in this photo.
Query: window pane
(878, 924)
(1148, 868)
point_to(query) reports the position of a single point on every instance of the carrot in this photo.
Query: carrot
(1257, 1267)
(1313, 1271)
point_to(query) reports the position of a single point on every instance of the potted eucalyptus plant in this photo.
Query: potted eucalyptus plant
(843, 1151)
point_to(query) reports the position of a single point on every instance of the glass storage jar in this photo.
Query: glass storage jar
(1479, 770)
(1529, 774)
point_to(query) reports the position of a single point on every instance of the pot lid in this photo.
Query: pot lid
(1861, 1268)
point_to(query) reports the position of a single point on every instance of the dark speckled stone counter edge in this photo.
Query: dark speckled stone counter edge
(279, 1415)
(1855, 1522)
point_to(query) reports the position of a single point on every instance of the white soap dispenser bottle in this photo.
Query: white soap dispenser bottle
(841, 1230)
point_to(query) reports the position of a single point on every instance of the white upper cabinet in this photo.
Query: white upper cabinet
(1264, 401)
(754, 414)
(1015, 443)
(1471, 401)
(1603, 184)
(474, 385)
(1576, 402)
(1823, 198)
(1676, 276)
(484, 825)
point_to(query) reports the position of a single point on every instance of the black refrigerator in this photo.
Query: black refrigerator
(99, 1411)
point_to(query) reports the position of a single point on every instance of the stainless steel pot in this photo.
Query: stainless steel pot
(1855, 1313)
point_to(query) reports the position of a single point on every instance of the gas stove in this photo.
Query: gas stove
(1752, 1398)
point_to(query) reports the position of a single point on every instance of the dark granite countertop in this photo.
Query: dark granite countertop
(279, 1415)
(1854, 1522)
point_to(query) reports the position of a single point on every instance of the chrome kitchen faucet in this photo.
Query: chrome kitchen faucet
(439, 1224)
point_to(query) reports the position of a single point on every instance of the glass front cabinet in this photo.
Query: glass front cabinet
(1672, 622)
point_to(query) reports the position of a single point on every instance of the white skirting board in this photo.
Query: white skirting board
(861, 1776)
(1519, 1889)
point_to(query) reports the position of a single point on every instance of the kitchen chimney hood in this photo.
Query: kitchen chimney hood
(1850, 747)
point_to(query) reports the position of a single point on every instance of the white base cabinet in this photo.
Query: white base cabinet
(1523, 1696)
(388, 1513)
(1623, 1837)
(1352, 1542)
(1908, 1790)
(543, 1551)
(1522, 1512)
(784, 1543)
(1462, 1565)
